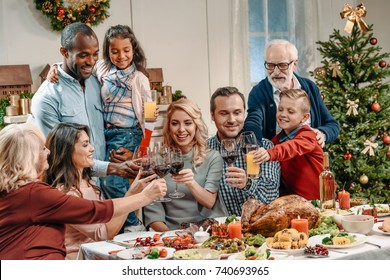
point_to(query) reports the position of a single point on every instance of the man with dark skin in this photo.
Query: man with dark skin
(76, 98)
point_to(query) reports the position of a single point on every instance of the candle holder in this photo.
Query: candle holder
(11, 111)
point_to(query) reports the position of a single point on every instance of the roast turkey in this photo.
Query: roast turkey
(268, 219)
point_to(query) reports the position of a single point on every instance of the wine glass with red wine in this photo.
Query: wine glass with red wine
(229, 151)
(141, 157)
(177, 165)
(161, 163)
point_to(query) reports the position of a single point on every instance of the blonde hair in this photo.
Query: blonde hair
(296, 94)
(200, 140)
(20, 146)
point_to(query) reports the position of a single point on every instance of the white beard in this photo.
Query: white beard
(286, 84)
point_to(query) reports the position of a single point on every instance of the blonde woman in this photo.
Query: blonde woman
(33, 214)
(199, 179)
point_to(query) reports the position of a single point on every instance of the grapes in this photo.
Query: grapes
(316, 250)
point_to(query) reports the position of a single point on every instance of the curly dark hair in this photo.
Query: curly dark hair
(123, 32)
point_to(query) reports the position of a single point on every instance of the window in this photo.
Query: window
(267, 20)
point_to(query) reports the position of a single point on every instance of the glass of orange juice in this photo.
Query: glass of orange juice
(252, 169)
(150, 105)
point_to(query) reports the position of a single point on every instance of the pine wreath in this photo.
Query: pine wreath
(91, 12)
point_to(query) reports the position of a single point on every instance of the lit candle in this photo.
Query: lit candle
(235, 230)
(344, 200)
(301, 225)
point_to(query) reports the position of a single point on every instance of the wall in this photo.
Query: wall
(189, 39)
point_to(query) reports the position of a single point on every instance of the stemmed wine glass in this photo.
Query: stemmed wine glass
(247, 138)
(177, 164)
(229, 151)
(142, 158)
(248, 144)
(161, 163)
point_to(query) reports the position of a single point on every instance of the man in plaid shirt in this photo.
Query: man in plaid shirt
(227, 107)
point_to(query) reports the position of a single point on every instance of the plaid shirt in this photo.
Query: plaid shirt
(265, 188)
(117, 97)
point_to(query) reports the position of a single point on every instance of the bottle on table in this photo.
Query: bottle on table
(327, 186)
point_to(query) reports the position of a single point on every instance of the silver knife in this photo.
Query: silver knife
(123, 244)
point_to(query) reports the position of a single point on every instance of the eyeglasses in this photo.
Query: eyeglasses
(281, 66)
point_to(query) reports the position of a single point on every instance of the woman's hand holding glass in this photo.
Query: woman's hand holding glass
(155, 189)
(185, 177)
(177, 165)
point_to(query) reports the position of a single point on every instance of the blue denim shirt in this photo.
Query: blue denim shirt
(65, 101)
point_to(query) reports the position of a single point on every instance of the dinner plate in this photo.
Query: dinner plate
(128, 253)
(376, 229)
(317, 239)
(356, 209)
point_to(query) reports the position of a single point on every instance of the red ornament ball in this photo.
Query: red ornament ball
(375, 106)
(382, 64)
(388, 153)
(373, 41)
(386, 139)
(92, 9)
(348, 156)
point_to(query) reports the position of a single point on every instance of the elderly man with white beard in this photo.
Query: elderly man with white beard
(281, 60)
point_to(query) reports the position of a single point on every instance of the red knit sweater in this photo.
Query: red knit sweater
(32, 220)
(301, 162)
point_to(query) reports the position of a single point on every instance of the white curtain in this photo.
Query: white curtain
(303, 32)
(239, 51)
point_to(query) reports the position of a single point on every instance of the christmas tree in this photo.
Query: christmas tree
(353, 83)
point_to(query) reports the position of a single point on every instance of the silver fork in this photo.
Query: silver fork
(377, 245)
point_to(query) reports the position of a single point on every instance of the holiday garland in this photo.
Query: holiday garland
(90, 12)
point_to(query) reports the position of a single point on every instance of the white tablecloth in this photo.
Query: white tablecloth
(100, 250)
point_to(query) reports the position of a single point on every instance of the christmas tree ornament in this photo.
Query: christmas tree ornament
(335, 67)
(373, 41)
(347, 156)
(352, 107)
(370, 146)
(363, 179)
(386, 139)
(354, 15)
(375, 106)
(382, 64)
(322, 96)
(388, 153)
(320, 72)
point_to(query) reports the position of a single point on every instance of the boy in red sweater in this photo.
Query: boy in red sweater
(296, 147)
